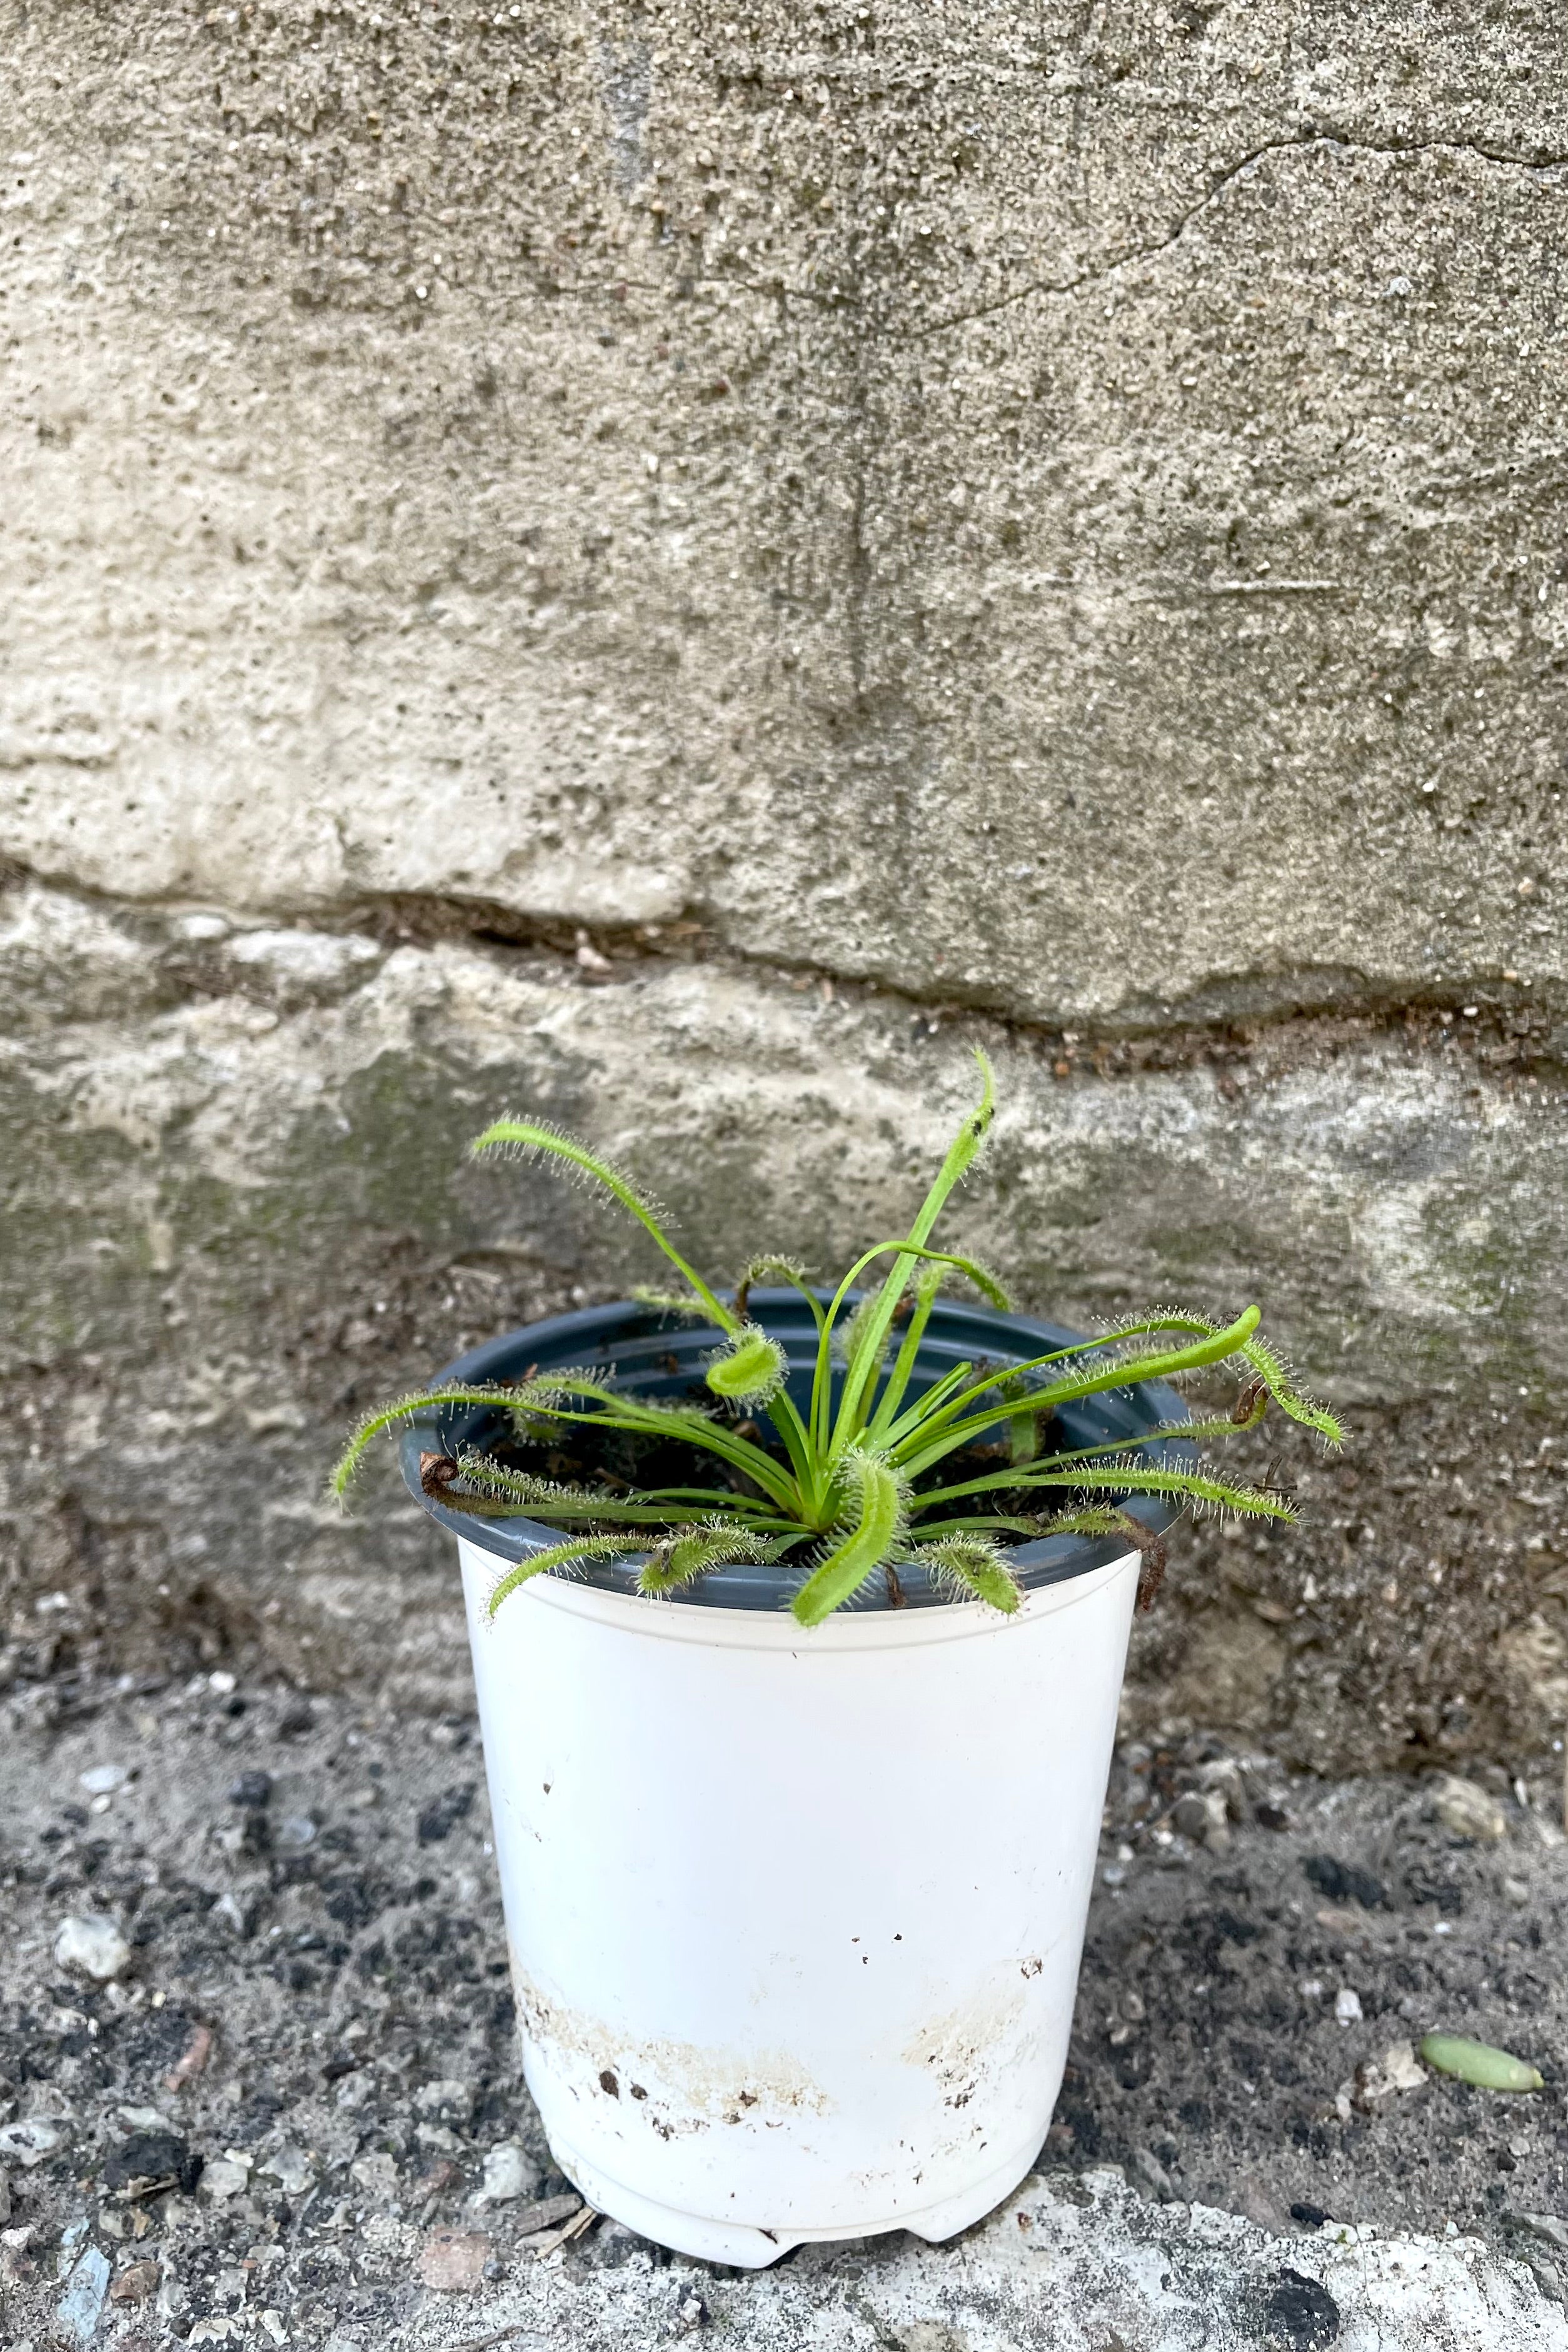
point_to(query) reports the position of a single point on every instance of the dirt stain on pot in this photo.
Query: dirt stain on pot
(986, 2037)
(678, 2087)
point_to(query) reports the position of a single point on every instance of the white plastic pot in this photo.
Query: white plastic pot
(796, 1918)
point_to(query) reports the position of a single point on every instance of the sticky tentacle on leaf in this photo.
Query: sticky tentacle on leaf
(538, 1139)
(874, 1523)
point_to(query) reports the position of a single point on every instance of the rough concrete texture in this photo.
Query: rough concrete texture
(295, 2117)
(1055, 513)
(680, 568)
(240, 1213)
(1060, 507)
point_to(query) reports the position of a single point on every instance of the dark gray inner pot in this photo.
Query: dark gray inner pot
(630, 1347)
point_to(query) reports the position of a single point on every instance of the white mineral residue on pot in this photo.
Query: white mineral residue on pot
(986, 2037)
(679, 2086)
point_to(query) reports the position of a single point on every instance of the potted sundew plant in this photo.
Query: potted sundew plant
(799, 1619)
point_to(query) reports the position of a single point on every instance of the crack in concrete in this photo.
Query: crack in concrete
(1228, 178)
(778, 288)
(1509, 1031)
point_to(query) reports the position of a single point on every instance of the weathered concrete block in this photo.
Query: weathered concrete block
(1049, 514)
(240, 1213)
(1059, 514)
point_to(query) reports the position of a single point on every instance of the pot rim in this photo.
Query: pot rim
(626, 1328)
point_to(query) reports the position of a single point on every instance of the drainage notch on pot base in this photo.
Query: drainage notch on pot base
(752, 2249)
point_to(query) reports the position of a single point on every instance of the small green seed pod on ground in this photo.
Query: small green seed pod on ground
(1478, 2062)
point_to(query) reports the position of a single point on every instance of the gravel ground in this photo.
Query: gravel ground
(295, 2115)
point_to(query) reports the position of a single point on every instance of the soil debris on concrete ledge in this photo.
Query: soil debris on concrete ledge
(291, 2113)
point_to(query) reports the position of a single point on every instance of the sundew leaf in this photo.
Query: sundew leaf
(841, 1476)
(879, 1517)
(553, 1556)
(700, 1550)
(750, 1368)
(408, 1408)
(977, 1569)
(539, 1139)
(867, 1361)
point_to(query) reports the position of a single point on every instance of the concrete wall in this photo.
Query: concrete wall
(682, 566)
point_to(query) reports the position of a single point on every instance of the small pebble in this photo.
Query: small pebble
(509, 2172)
(77, 2314)
(449, 2099)
(292, 2170)
(222, 2179)
(31, 2140)
(93, 1946)
(1344, 1882)
(454, 2260)
(104, 1780)
(1380, 2080)
(1467, 1810)
(376, 2175)
(150, 2161)
(1545, 2226)
(1347, 2006)
(136, 2284)
(83, 2301)
(251, 1790)
(1201, 1816)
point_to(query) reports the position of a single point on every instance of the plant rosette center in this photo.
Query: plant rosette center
(873, 1467)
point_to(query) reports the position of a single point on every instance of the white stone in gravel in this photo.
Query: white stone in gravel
(1347, 2006)
(449, 2098)
(29, 2142)
(222, 2179)
(376, 2175)
(103, 1779)
(1071, 2265)
(509, 2172)
(93, 1946)
(1467, 1810)
(1379, 2080)
(292, 2170)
